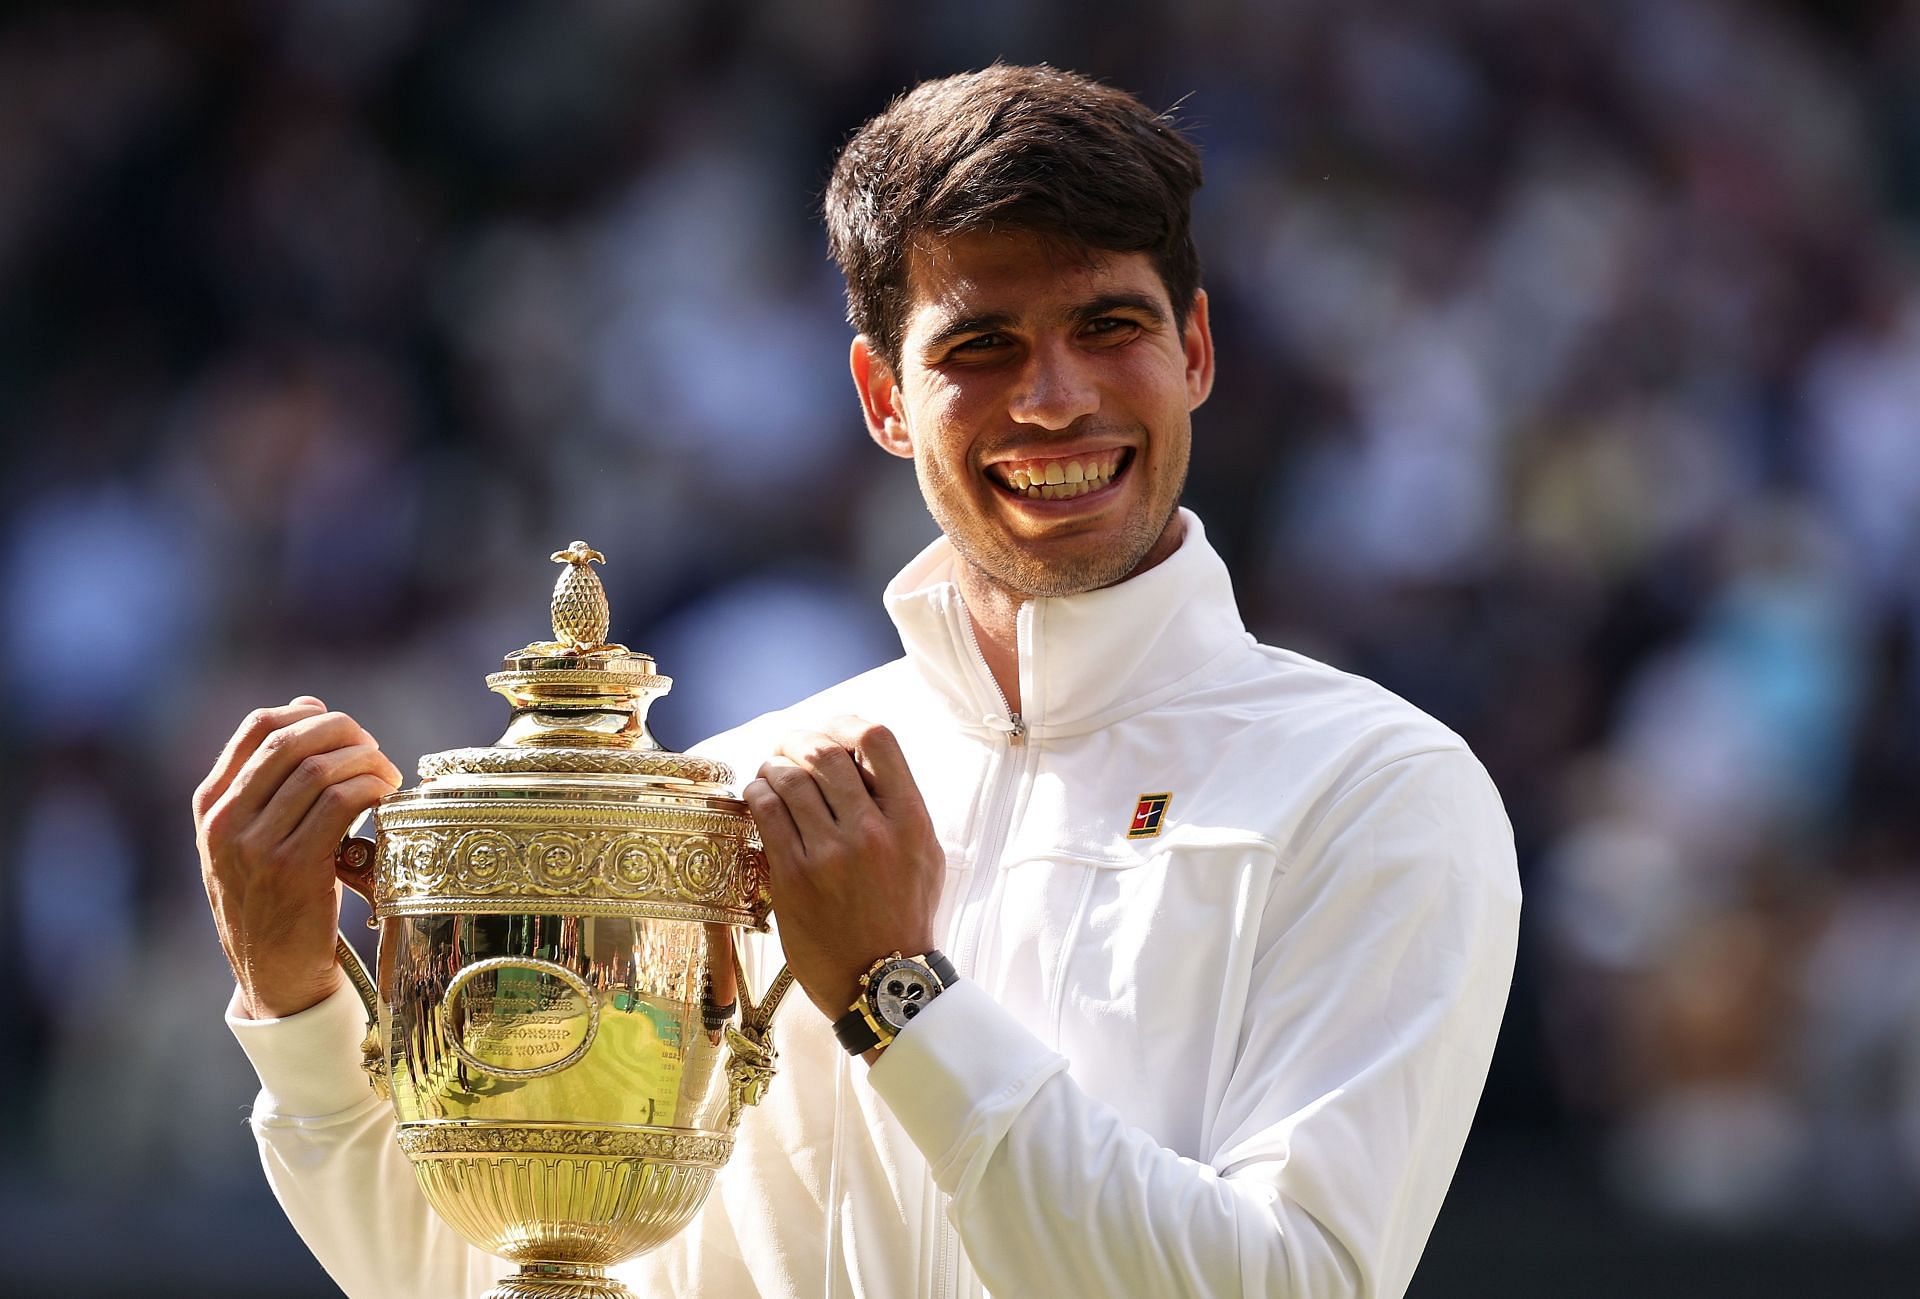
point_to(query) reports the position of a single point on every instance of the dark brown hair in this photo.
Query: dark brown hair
(1008, 148)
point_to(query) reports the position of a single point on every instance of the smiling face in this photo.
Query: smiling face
(1044, 397)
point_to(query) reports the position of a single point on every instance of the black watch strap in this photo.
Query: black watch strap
(937, 962)
(852, 1028)
(855, 1033)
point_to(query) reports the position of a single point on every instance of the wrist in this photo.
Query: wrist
(892, 993)
(279, 1003)
(839, 995)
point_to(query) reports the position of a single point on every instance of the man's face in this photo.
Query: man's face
(1044, 396)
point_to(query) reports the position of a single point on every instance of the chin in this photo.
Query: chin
(1050, 571)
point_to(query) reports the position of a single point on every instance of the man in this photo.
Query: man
(1232, 930)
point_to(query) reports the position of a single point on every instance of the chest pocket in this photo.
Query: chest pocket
(1132, 959)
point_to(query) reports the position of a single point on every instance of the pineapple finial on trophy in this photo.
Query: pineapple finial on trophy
(580, 615)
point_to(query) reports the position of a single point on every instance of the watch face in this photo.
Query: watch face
(900, 991)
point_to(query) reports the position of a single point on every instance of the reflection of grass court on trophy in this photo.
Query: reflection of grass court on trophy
(518, 1035)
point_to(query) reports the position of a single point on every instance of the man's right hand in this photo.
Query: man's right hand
(268, 818)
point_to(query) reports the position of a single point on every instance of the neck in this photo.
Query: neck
(995, 613)
(994, 609)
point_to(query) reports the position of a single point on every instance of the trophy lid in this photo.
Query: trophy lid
(579, 700)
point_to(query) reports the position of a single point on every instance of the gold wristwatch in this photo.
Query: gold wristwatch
(892, 992)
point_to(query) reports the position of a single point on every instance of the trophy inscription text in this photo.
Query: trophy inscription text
(519, 1017)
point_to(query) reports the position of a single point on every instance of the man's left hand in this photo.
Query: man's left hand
(857, 870)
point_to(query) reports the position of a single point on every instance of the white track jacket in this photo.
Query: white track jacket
(1236, 1056)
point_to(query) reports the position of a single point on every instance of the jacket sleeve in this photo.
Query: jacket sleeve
(327, 1142)
(1374, 1000)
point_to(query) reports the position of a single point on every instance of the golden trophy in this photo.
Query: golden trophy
(561, 1016)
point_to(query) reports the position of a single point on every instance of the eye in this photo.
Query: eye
(1109, 329)
(979, 343)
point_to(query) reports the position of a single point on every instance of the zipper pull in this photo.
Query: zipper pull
(1011, 726)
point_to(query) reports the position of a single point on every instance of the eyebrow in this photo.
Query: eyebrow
(990, 322)
(1108, 303)
(982, 324)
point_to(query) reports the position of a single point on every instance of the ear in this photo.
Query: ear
(880, 398)
(1197, 342)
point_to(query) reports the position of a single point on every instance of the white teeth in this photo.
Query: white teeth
(1061, 479)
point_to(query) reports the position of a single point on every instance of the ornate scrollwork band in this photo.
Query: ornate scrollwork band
(508, 905)
(424, 1140)
(609, 857)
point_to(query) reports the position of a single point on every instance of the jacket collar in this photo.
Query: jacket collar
(1085, 660)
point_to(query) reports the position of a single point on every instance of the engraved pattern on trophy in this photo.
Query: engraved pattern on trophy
(638, 865)
(679, 857)
(561, 861)
(556, 912)
(480, 861)
(609, 762)
(567, 1195)
(705, 867)
(610, 1143)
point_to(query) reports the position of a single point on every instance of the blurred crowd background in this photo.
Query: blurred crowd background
(1569, 363)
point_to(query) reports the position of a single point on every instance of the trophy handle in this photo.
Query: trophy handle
(750, 1051)
(353, 866)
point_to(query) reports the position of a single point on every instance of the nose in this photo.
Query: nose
(1054, 388)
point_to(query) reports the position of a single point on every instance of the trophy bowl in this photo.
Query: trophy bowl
(559, 1015)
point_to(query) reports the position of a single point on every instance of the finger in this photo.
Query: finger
(880, 757)
(846, 732)
(311, 777)
(778, 834)
(338, 806)
(259, 724)
(795, 787)
(832, 767)
(280, 752)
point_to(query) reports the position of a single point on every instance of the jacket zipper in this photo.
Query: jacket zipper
(968, 922)
(1007, 722)
(994, 840)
